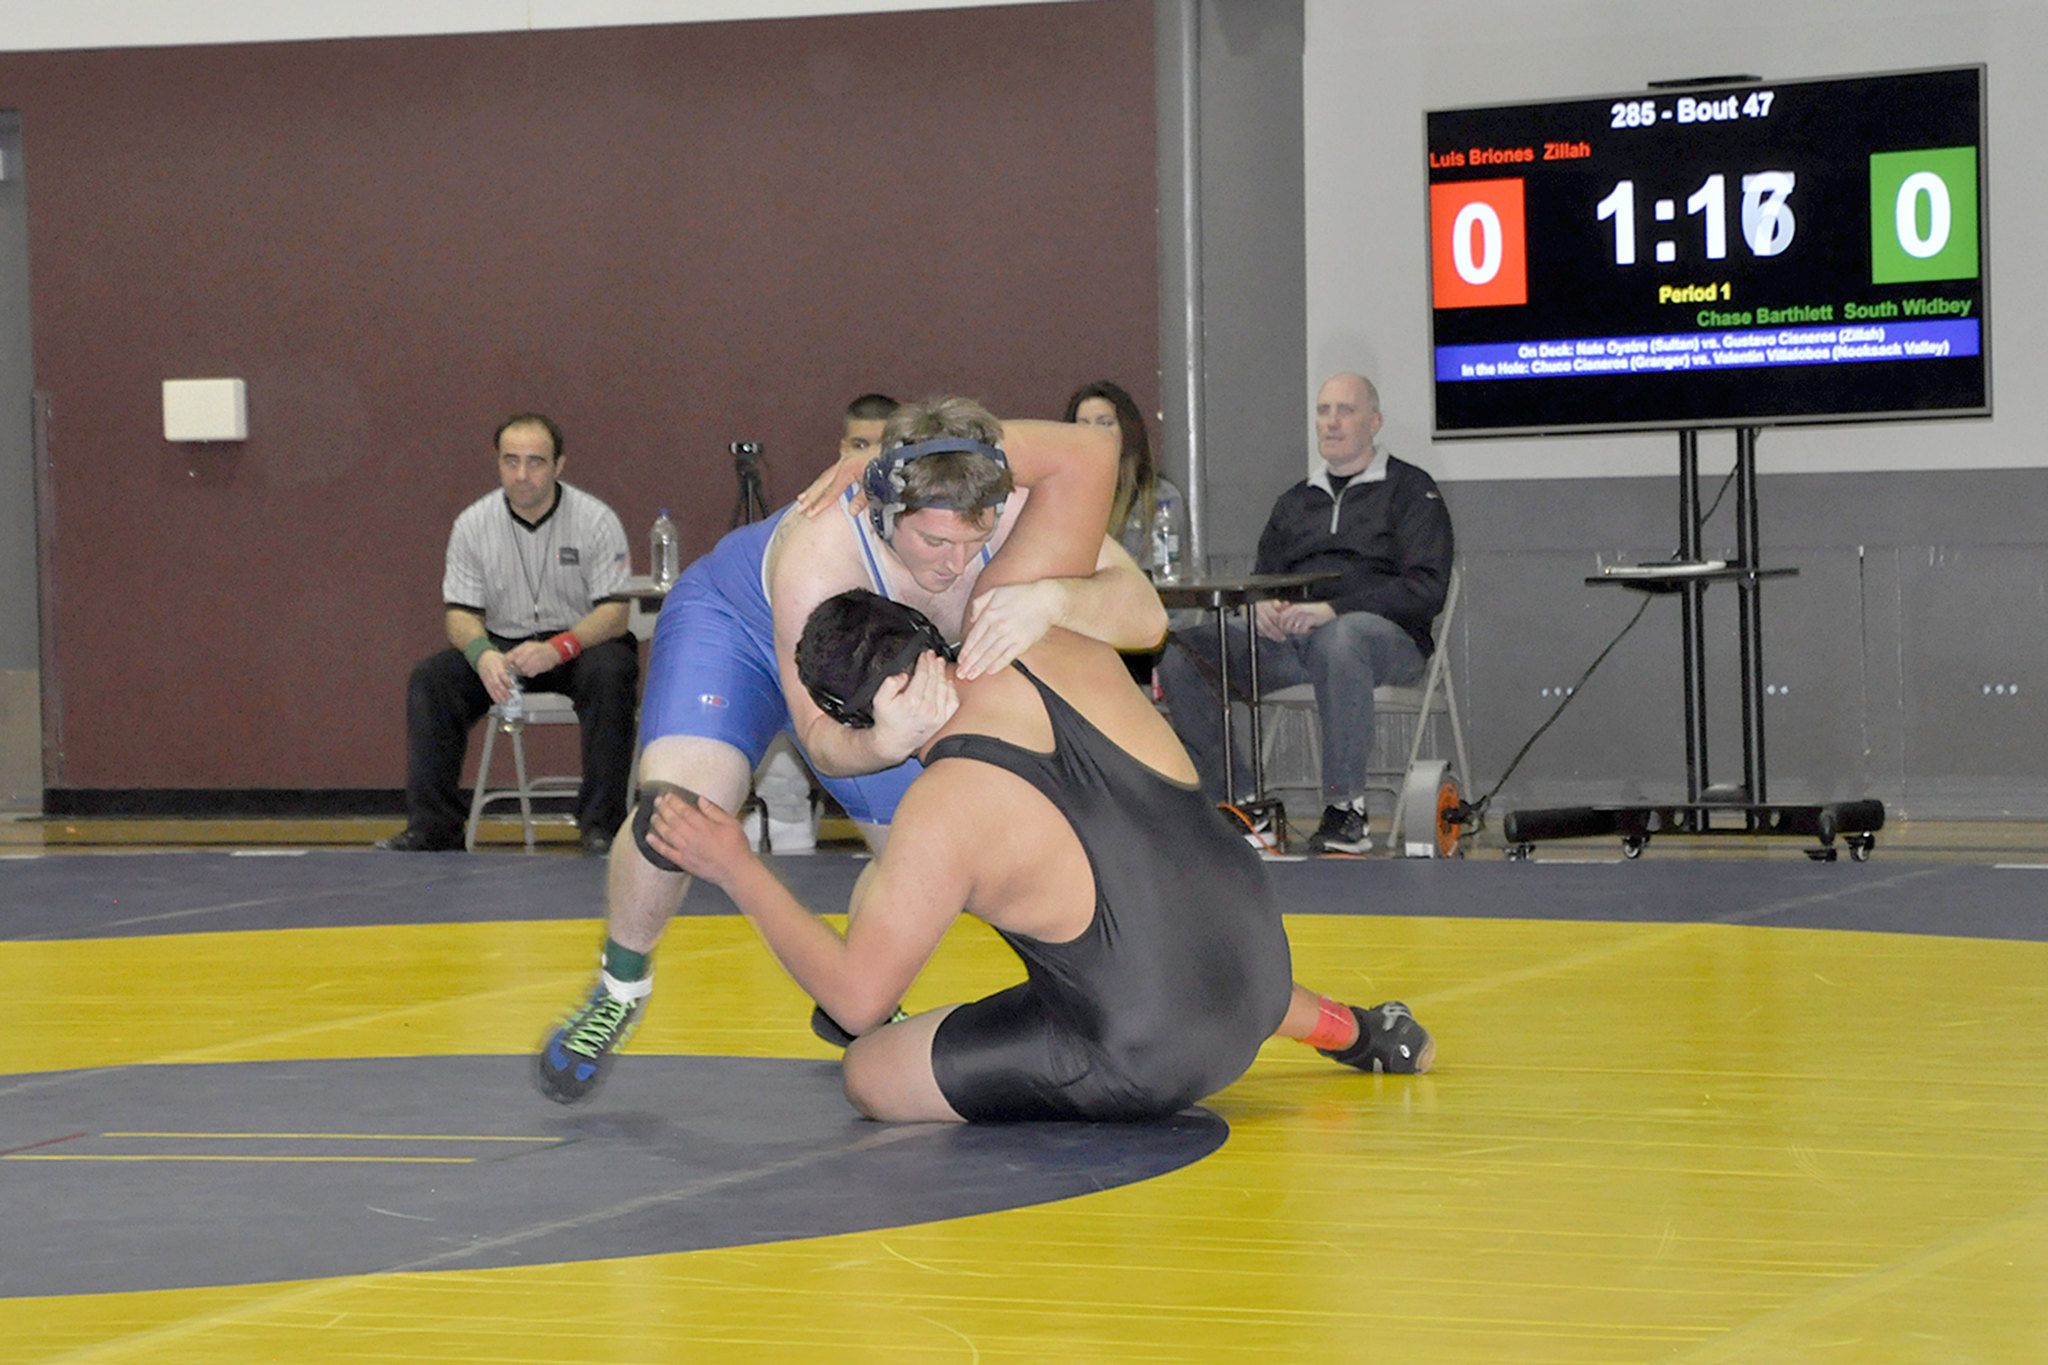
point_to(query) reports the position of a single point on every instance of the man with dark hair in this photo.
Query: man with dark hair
(722, 678)
(1056, 806)
(862, 438)
(533, 595)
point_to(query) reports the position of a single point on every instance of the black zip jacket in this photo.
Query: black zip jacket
(1390, 539)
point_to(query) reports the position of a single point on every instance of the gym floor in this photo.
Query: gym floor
(267, 1100)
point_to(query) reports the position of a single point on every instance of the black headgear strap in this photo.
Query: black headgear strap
(857, 712)
(883, 480)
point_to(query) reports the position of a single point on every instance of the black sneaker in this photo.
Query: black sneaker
(828, 1030)
(577, 1055)
(1342, 831)
(1388, 1040)
(410, 840)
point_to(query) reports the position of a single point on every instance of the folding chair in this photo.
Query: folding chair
(1424, 786)
(534, 708)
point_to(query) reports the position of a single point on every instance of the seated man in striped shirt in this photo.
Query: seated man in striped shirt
(533, 592)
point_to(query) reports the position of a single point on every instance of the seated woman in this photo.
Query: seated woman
(1149, 516)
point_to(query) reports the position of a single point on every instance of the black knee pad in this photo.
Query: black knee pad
(643, 819)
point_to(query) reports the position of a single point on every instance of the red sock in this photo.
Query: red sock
(1336, 1026)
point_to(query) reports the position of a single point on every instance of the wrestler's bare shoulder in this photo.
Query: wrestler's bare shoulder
(817, 549)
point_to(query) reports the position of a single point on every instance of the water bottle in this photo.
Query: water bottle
(1166, 538)
(664, 552)
(512, 711)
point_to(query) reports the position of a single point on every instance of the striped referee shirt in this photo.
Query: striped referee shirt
(540, 579)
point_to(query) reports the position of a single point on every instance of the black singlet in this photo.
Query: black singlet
(1168, 993)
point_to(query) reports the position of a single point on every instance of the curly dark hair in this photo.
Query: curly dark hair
(853, 643)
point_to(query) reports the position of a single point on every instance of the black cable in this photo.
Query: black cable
(1708, 514)
(1470, 814)
(1467, 814)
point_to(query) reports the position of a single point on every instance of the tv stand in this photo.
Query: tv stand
(1729, 808)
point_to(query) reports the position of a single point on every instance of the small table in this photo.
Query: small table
(644, 590)
(1221, 593)
(644, 597)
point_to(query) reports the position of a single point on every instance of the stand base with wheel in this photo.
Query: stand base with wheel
(1431, 806)
(1735, 809)
(1855, 823)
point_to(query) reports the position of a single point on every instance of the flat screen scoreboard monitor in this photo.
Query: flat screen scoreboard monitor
(1729, 255)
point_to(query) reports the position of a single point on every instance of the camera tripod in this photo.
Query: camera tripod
(753, 499)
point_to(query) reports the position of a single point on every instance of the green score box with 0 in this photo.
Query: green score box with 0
(1729, 255)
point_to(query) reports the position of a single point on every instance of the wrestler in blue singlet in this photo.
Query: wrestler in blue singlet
(711, 670)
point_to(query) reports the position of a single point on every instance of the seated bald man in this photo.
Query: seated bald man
(1056, 805)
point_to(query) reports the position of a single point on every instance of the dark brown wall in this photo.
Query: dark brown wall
(669, 238)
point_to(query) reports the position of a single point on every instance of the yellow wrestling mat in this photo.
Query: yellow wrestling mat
(1644, 1142)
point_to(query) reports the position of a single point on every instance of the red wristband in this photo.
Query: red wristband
(567, 645)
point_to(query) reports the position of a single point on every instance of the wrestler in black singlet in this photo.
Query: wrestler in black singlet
(1166, 996)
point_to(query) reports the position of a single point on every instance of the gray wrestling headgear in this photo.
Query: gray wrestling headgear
(883, 480)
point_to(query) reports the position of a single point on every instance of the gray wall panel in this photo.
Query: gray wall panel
(1815, 680)
(1974, 637)
(21, 710)
(1875, 656)
(19, 639)
(1530, 628)
(1884, 670)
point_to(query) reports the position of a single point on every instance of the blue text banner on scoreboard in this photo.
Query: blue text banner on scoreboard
(1608, 356)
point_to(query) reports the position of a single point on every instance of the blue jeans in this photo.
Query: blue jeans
(1343, 660)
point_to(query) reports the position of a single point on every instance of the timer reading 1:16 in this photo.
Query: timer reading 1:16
(1768, 223)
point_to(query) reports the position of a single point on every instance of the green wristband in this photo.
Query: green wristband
(477, 648)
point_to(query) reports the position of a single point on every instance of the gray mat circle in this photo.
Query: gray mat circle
(158, 1177)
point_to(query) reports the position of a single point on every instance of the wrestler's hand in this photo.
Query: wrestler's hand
(531, 658)
(1300, 618)
(698, 836)
(825, 489)
(1266, 619)
(912, 707)
(1004, 622)
(496, 674)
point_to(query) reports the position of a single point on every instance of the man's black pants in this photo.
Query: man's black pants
(445, 698)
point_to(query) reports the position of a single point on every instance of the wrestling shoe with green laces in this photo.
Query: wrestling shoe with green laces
(578, 1054)
(828, 1030)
